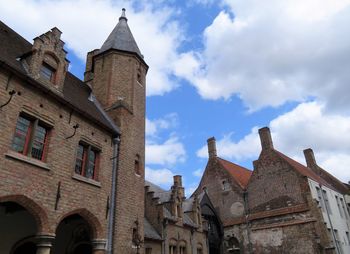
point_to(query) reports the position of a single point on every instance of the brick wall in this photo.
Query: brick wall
(34, 184)
(115, 84)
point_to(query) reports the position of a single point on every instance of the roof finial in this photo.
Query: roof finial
(123, 16)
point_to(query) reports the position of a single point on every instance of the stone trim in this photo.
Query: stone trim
(86, 180)
(285, 224)
(26, 159)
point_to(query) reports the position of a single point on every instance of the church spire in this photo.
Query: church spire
(121, 38)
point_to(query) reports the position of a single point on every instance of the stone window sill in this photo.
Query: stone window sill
(28, 160)
(86, 180)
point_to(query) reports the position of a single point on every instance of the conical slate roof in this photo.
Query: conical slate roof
(121, 38)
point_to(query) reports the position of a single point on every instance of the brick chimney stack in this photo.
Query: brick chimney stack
(310, 158)
(265, 138)
(178, 181)
(212, 147)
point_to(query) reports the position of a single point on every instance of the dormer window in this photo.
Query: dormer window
(47, 72)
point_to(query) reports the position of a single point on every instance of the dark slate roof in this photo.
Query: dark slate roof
(188, 204)
(149, 231)
(121, 38)
(163, 195)
(75, 93)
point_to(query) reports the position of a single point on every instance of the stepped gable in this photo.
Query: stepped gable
(76, 94)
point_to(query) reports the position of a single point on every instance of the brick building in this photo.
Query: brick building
(280, 207)
(72, 151)
(173, 224)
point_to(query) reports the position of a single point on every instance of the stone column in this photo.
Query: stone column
(44, 243)
(99, 246)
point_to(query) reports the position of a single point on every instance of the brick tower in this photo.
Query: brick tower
(117, 73)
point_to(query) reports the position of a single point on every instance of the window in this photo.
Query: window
(47, 72)
(339, 208)
(319, 197)
(182, 250)
(31, 137)
(86, 163)
(172, 249)
(326, 202)
(225, 185)
(343, 206)
(137, 166)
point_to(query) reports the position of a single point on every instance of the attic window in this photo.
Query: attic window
(47, 72)
(225, 185)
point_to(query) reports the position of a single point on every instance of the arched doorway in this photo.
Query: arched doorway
(17, 230)
(73, 236)
(232, 245)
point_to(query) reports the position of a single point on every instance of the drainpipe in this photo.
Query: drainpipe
(330, 221)
(111, 220)
(245, 198)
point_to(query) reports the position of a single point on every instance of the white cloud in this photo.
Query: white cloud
(270, 52)
(308, 125)
(198, 172)
(170, 152)
(153, 127)
(163, 176)
(87, 23)
(238, 151)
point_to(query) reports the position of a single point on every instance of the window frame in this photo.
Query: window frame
(45, 66)
(87, 148)
(31, 135)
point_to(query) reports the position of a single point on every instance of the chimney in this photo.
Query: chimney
(178, 181)
(310, 158)
(212, 147)
(265, 138)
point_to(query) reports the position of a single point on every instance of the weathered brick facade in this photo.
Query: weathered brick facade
(270, 210)
(173, 224)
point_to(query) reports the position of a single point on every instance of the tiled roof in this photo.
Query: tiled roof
(149, 231)
(341, 187)
(305, 171)
(240, 174)
(75, 93)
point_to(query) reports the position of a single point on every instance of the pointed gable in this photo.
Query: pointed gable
(305, 171)
(240, 174)
(121, 38)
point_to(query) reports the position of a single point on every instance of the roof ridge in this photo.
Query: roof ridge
(234, 164)
(309, 172)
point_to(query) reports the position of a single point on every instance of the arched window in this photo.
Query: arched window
(137, 166)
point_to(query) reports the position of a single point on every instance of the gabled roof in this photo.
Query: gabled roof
(164, 197)
(239, 173)
(76, 94)
(150, 231)
(121, 38)
(305, 171)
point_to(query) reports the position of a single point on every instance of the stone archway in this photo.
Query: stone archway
(74, 235)
(18, 228)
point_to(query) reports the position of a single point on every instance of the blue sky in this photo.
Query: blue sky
(224, 69)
